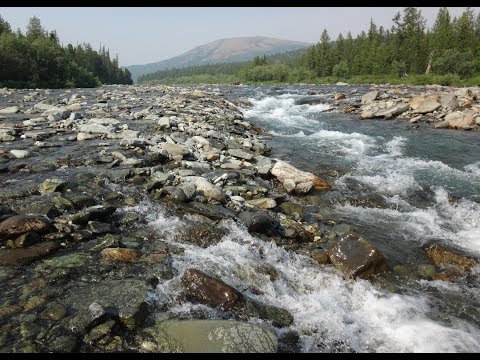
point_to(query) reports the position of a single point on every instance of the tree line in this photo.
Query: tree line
(36, 59)
(407, 52)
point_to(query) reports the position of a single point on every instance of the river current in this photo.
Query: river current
(429, 183)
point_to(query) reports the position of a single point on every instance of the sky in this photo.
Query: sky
(140, 35)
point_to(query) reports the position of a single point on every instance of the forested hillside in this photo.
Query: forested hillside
(36, 59)
(408, 52)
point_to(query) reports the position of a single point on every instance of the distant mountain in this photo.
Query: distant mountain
(219, 51)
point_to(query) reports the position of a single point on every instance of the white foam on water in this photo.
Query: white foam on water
(473, 168)
(325, 307)
(457, 222)
(396, 146)
(283, 110)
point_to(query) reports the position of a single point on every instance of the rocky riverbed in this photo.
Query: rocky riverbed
(80, 263)
(439, 106)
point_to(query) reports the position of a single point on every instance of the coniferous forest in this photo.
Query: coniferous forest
(36, 59)
(447, 53)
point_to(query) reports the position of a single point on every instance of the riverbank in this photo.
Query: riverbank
(80, 259)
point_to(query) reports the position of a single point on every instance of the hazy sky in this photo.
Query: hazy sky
(141, 35)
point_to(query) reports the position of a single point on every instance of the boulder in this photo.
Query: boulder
(459, 119)
(208, 290)
(356, 257)
(339, 96)
(282, 171)
(427, 107)
(96, 212)
(369, 97)
(394, 110)
(449, 101)
(51, 185)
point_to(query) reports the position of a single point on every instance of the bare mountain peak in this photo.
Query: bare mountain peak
(222, 50)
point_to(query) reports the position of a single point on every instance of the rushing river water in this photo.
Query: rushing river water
(429, 182)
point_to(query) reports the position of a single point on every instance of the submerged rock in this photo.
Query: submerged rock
(444, 256)
(214, 336)
(28, 254)
(20, 224)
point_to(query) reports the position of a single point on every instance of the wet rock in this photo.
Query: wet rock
(342, 229)
(426, 271)
(119, 254)
(62, 344)
(213, 336)
(69, 260)
(55, 311)
(178, 195)
(99, 228)
(283, 171)
(320, 256)
(260, 222)
(20, 224)
(27, 239)
(97, 212)
(290, 208)
(28, 254)
(92, 302)
(279, 317)
(355, 257)
(99, 331)
(51, 185)
(208, 290)
(339, 96)
(202, 235)
(211, 211)
(445, 256)
(33, 302)
(158, 179)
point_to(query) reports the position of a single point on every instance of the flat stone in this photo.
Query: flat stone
(214, 336)
(240, 154)
(263, 203)
(369, 97)
(20, 154)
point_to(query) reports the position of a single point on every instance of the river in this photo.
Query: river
(428, 181)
